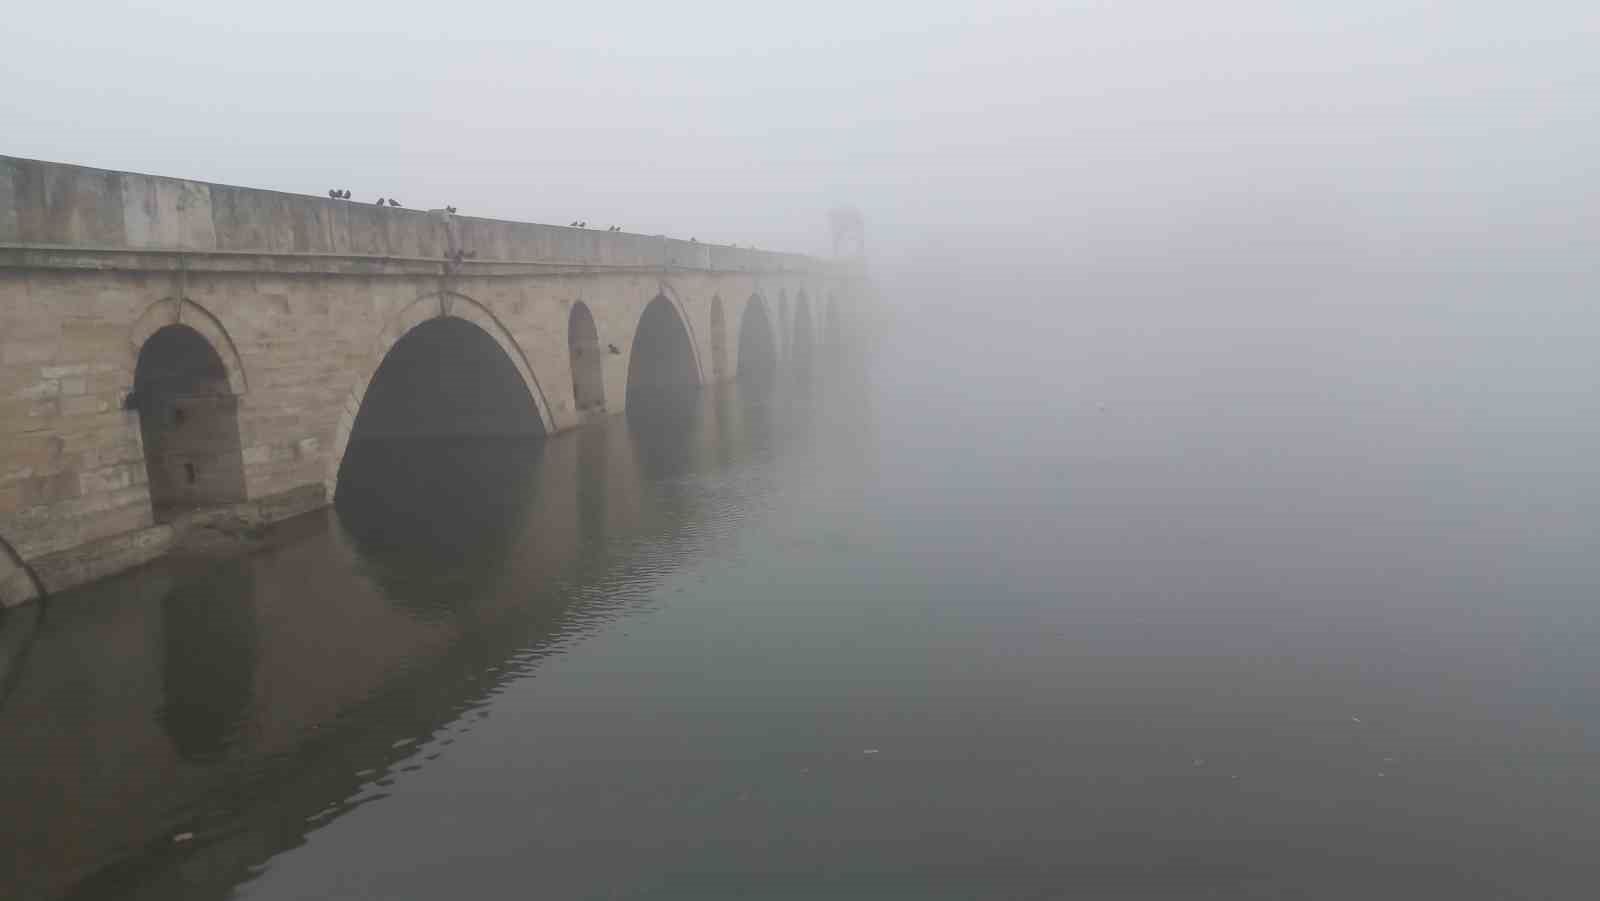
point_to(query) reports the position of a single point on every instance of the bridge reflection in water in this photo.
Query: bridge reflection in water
(245, 699)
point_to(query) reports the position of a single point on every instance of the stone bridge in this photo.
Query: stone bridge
(173, 350)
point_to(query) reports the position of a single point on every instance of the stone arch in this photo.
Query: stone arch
(18, 585)
(802, 344)
(188, 422)
(719, 340)
(832, 325)
(758, 345)
(671, 295)
(185, 312)
(583, 350)
(781, 326)
(429, 306)
(662, 358)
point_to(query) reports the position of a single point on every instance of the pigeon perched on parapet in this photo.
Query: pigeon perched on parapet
(583, 224)
(393, 202)
(333, 194)
(450, 209)
(572, 224)
(345, 194)
(613, 348)
(380, 201)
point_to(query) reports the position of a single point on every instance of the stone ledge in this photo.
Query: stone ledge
(226, 529)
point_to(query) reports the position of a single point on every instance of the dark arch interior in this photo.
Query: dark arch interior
(719, 340)
(583, 346)
(188, 418)
(758, 361)
(801, 348)
(661, 369)
(447, 378)
(439, 450)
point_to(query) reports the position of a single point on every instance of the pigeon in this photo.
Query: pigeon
(346, 194)
(333, 195)
(613, 348)
(572, 224)
(450, 209)
(583, 224)
(380, 201)
(393, 202)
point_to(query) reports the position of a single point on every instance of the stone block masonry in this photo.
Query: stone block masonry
(286, 306)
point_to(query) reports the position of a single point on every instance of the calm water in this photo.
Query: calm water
(1266, 620)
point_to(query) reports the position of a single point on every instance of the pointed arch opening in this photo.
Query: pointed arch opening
(802, 349)
(661, 365)
(758, 350)
(189, 422)
(833, 329)
(719, 341)
(583, 347)
(445, 395)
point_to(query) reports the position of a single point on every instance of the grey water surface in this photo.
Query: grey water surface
(1275, 618)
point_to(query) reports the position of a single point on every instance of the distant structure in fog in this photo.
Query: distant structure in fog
(849, 232)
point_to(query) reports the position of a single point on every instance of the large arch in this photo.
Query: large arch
(802, 346)
(424, 309)
(583, 347)
(758, 348)
(17, 582)
(662, 360)
(189, 422)
(719, 341)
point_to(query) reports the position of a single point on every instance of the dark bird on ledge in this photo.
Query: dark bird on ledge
(572, 224)
(450, 209)
(693, 241)
(380, 201)
(333, 195)
(393, 202)
(583, 224)
(613, 348)
(345, 194)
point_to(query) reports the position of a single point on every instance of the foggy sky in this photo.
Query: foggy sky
(1079, 130)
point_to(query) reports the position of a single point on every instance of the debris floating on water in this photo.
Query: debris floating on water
(183, 836)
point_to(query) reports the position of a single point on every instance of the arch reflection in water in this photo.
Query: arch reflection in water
(209, 639)
(336, 649)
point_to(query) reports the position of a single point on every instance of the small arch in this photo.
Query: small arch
(719, 341)
(189, 422)
(758, 350)
(583, 348)
(185, 312)
(18, 584)
(662, 361)
(423, 309)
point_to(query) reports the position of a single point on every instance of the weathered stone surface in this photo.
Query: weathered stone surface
(300, 298)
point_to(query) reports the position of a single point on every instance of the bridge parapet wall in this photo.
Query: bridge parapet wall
(45, 204)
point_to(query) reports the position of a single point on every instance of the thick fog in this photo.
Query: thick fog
(1351, 186)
